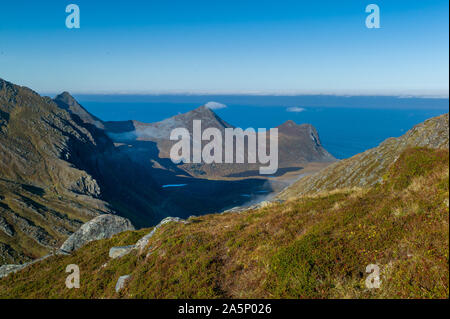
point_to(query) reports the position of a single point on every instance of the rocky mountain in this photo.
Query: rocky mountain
(387, 206)
(61, 166)
(101, 227)
(44, 197)
(368, 168)
(68, 102)
(298, 144)
(160, 131)
(58, 169)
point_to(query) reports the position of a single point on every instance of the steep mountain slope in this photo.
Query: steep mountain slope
(58, 169)
(43, 196)
(67, 102)
(368, 168)
(298, 144)
(310, 247)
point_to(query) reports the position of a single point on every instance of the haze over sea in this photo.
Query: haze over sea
(346, 125)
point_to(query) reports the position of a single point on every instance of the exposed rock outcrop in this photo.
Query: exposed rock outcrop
(121, 282)
(101, 227)
(143, 242)
(86, 185)
(5, 227)
(5, 270)
(117, 252)
(9, 255)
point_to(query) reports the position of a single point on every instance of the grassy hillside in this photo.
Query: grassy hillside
(314, 246)
(367, 168)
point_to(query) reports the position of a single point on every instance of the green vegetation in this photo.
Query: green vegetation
(413, 163)
(309, 247)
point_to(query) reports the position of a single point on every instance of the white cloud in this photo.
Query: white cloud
(295, 109)
(215, 105)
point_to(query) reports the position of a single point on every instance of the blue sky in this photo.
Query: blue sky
(227, 47)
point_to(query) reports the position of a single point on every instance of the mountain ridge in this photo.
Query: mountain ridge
(43, 196)
(367, 168)
(298, 144)
(69, 103)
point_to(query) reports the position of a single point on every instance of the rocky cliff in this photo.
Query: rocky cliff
(44, 197)
(58, 170)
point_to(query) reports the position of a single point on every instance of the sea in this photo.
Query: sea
(347, 125)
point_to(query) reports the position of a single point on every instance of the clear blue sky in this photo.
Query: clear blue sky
(227, 46)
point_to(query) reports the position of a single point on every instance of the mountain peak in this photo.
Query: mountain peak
(203, 113)
(204, 110)
(67, 102)
(66, 94)
(291, 128)
(289, 123)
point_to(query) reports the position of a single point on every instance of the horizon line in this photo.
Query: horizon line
(411, 93)
(253, 93)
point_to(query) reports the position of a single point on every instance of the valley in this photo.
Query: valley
(61, 166)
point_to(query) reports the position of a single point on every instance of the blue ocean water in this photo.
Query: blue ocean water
(346, 126)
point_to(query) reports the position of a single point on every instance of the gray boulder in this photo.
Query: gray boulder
(121, 282)
(101, 227)
(142, 243)
(5, 270)
(117, 252)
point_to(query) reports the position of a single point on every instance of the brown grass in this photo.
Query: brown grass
(309, 247)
